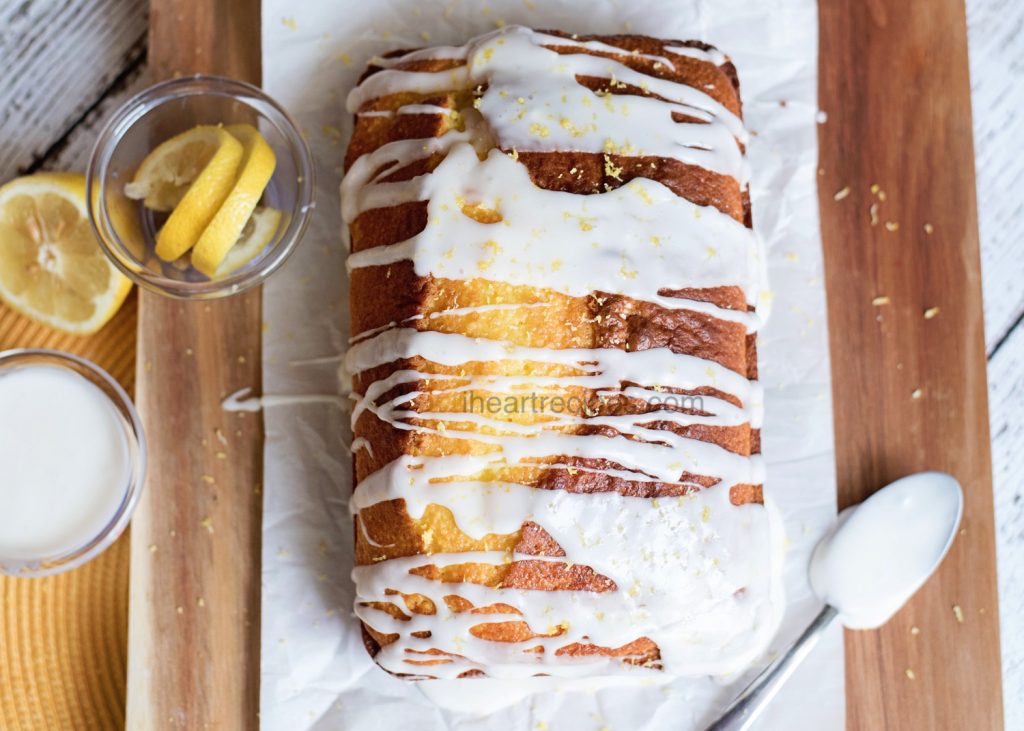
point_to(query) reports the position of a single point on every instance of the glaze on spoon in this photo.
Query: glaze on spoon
(881, 551)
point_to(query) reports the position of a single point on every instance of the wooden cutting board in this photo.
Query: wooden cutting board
(909, 390)
(194, 629)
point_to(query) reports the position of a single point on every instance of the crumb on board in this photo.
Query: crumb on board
(152, 548)
(931, 312)
(915, 630)
(841, 193)
(873, 213)
(928, 228)
(200, 602)
(958, 613)
(881, 300)
(892, 226)
(909, 673)
(207, 523)
(208, 479)
(916, 393)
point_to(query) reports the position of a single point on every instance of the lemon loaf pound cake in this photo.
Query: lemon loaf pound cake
(556, 415)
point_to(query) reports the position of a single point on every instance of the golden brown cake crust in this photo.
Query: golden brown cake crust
(395, 293)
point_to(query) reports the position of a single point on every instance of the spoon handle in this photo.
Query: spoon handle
(743, 711)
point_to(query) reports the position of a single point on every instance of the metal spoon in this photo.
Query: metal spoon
(855, 533)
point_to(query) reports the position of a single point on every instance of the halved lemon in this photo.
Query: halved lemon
(256, 235)
(51, 266)
(190, 175)
(225, 229)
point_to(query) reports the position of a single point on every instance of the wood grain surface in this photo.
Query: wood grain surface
(910, 390)
(995, 33)
(996, 48)
(194, 628)
(58, 57)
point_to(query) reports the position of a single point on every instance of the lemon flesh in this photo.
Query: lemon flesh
(190, 175)
(164, 176)
(256, 236)
(226, 227)
(51, 266)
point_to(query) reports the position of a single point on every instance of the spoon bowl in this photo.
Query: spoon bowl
(882, 550)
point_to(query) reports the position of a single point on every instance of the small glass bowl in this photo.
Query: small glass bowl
(127, 230)
(134, 438)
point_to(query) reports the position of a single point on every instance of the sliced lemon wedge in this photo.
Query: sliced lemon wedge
(258, 233)
(226, 227)
(51, 266)
(190, 175)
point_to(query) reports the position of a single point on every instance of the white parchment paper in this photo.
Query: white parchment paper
(315, 672)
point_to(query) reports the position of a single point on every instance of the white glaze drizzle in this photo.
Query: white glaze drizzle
(242, 400)
(622, 240)
(689, 549)
(711, 55)
(409, 109)
(692, 573)
(454, 312)
(561, 114)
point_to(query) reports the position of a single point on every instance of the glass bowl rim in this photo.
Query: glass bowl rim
(133, 111)
(118, 398)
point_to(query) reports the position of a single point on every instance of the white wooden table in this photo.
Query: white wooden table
(67, 64)
(996, 38)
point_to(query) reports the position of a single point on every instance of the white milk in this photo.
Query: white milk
(884, 549)
(64, 462)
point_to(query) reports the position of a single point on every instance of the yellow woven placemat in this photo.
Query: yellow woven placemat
(64, 639)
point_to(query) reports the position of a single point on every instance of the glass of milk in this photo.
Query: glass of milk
(72, 461)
